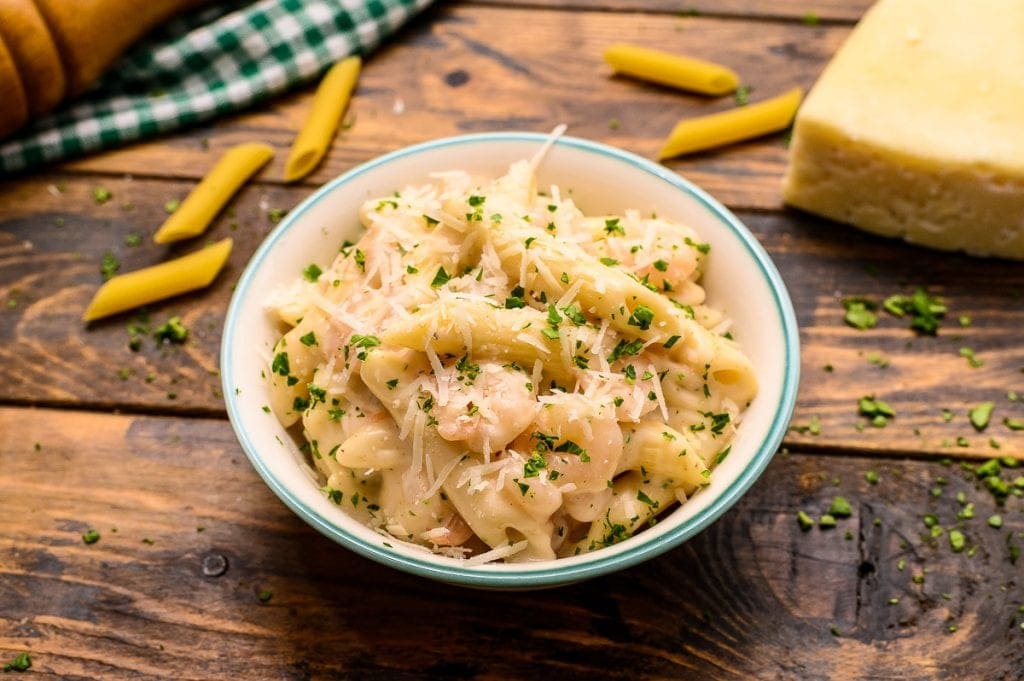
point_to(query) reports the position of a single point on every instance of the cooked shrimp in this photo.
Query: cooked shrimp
(488, 406)
(578, 439)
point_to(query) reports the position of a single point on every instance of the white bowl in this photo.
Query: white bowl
(740, 279)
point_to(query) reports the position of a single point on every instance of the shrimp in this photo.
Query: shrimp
(488, 406)
(582, 443)
(665, 255)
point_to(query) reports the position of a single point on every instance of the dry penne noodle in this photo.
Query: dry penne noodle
(328, 105)
(195, 213)
(190, 272)
(741, 123)
(685, 73)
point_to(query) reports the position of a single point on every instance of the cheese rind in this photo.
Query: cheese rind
(916, 128)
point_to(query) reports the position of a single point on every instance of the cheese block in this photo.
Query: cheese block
(916, 127)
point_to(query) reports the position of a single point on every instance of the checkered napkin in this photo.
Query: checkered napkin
(205, 64)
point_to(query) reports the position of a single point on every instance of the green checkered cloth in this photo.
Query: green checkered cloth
(206, 64)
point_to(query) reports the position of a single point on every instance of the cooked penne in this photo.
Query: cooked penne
(150, 284)
(674, 70)
(324, 117)
(195, 213)
(735, 125)
(506, 335)
(667, 453)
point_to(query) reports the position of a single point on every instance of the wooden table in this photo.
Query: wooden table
(136, 444)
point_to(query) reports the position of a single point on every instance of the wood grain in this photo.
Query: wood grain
(467, 69)
(750, 597)
(824, 10)
(49, 273)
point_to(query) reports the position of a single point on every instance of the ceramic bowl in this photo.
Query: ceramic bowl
(740, 279)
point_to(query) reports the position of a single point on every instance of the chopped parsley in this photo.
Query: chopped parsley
(316, 392)
(21, 663)
(571, 447)
(392, 384)
(132, 239)
(360, 341)
(109, 265)
(703, 248)
(171, 206)
(533, 465)
(429, 220)
(860, 313)
(360, 259)
(101, 195)
(171, 331)
(516, 298)
(280, 364)
(879, 411)
(609, 262)
(440, 279)
(661, 265)
(981, 414)
(925, 310)
(670, 342)
(840, 508)
(476, 201)
(642, 317)
(643, 498)
(312, 272)
(1013, 424)
(805, 521)
(742, 95)
(972, 361)
(309, 339)
(276, 214)
(554, 319)
(574, 314)
(626, 348)
(91, 536)
(612, 226)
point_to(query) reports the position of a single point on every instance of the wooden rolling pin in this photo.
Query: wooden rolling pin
(53, 49)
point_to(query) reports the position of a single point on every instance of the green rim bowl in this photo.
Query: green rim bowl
(740, 279)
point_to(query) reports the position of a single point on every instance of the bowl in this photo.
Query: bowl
(740, 279)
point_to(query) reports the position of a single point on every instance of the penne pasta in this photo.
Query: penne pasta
(735, 125)
(664, 68)
(195, 213)
(324, 117)
(150, 284)
(506, 335)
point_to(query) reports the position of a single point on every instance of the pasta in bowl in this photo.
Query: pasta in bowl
(508, 371)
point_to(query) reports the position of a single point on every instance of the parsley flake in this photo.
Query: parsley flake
(440, 279)
(312, 272)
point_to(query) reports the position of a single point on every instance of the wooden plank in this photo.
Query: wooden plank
(752, 596)
(823, 10)
(48, 357)
(468, 69)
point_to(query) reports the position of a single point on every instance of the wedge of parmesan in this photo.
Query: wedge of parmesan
(916, 127)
